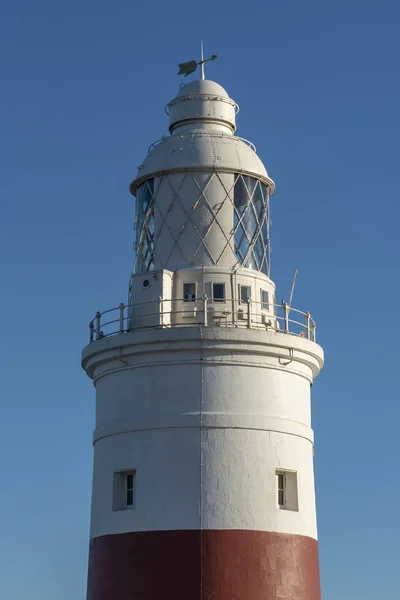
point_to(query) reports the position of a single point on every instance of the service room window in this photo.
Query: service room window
(189, 292)
(244, 293)
(218, 290)
(286, 490)
(264, 300)
(124, 490)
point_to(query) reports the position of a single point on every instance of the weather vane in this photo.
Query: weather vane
(189, 67)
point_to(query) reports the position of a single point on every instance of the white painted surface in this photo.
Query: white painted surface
(205, 100)
(167, 481)
(200, 478)
(200, 149)
(147, 288)
(221, 313)
(239, 489)
(202, 120)
(206, 416)
(145, 292)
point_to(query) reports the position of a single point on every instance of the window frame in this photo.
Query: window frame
(264, 305)
(218, 300)
(241, 301)
(129, 488)
(123, 486)
(287, 494)
(193, 299)
(281, 490)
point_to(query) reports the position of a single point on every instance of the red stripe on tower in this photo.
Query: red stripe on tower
(208, 565)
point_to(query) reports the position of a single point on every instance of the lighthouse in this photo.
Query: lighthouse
(203, 478)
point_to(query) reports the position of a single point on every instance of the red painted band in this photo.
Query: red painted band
(203, 565)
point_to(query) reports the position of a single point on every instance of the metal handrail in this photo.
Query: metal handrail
(247, 142)
(204, 311)
(156, 143)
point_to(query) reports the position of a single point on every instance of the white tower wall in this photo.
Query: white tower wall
(217, 418)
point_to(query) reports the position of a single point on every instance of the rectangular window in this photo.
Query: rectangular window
(244, 293)
(130, 488)
(281, 489)
(189, 292)
(218, 292)
(264, 300)
(286, 490)
(124, 490)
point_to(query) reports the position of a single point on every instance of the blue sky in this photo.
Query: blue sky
(83, 89)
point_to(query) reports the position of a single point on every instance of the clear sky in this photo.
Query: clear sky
(83, 89)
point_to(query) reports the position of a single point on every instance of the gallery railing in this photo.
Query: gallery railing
(167, 313)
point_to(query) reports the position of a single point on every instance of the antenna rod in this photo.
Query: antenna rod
(293, 284)
(203, 76)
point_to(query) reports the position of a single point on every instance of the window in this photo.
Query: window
(286, 490)
(281, 489)
(218, 292)
(189, 292)
(124, 490)
(264, 300)
(129, 489)
(244, 293)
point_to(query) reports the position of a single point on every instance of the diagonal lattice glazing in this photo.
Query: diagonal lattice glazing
(251, 223)
(144, 224)
(184, 215)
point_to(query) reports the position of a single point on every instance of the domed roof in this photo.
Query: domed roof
(201, 149)
(202, 101)
(202, 86)
(202, 124)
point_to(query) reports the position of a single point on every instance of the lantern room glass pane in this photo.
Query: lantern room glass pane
(144, 260)
(251, 223)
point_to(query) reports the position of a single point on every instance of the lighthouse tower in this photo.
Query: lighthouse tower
(203, 485)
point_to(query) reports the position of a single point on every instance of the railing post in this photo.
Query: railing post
(91, 331)
(285, 307)
(308, 325)
(121, 317)
(205, 302)
(249, 313)
(98, 317)
(313, 328)
(161, 310)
